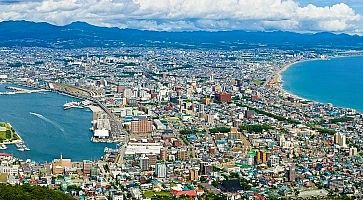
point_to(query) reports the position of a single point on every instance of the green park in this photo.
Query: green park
(7, 133)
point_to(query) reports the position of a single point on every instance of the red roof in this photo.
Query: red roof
(258, 196)
(5, 154)
(189, 193)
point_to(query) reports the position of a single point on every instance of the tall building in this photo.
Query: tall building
(152, 159)
(340, 139)
(127, 93)
(87, 165)
(163, 154)
(261, 157)
(182, 154)
(193, 174)
(274, 161)
(160, 170)
(144, 163)
(205, 168)
(291, 173)
(353, 151)
(206, 100)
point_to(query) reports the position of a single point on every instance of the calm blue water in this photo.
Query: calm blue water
(338, 81)
(47, 129)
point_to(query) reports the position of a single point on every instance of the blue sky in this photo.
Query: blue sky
(175, 15)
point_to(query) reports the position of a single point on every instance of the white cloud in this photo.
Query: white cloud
(189, 14)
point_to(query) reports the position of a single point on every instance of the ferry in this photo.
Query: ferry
(76, 104)
(72, 105)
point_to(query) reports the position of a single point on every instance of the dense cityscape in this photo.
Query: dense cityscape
(189, 124)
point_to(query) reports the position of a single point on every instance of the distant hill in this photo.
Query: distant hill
(81, 34)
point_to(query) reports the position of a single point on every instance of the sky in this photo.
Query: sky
(340, 16)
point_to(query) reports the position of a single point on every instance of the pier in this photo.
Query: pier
(17, 90)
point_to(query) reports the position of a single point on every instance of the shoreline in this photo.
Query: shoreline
(279, 75)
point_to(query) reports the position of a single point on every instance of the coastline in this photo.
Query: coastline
(279, 75)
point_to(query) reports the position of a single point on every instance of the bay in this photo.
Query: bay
(338, 81)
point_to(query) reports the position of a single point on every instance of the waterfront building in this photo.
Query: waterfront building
(87, 165)
(60, 165)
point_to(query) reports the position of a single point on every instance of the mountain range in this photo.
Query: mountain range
(81, 34)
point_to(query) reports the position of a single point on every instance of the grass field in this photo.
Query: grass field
(7, 132)
(3, 178)
(149, 194)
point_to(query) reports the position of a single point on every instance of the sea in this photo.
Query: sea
(338, 81)
(47, 129)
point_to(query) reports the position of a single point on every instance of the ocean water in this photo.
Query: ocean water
(338, 81)
(47, 129)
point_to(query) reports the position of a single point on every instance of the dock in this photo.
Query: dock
(17, 90)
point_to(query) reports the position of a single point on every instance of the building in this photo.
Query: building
(340, 139)
(353, 151)
(152, 159)
(142, 126)
(206, 100)
(182, 154)
(205, 168)
(193, 174)
(291, 173)
(163, 154)
(87, 165)
(223, 97)
(160, 170)
(60, 165)
(261, 157)
(274, 161)
(144, 163)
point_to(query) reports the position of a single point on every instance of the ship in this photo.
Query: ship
(76, 104)
(72, 105)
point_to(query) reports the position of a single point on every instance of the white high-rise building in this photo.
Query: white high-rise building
(160, 170)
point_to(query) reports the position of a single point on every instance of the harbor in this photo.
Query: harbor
(42, 123)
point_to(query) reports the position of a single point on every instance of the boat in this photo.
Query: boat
(21, 149)
(26, 149)
(3, 147)
(72, 105)
(18, 145)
